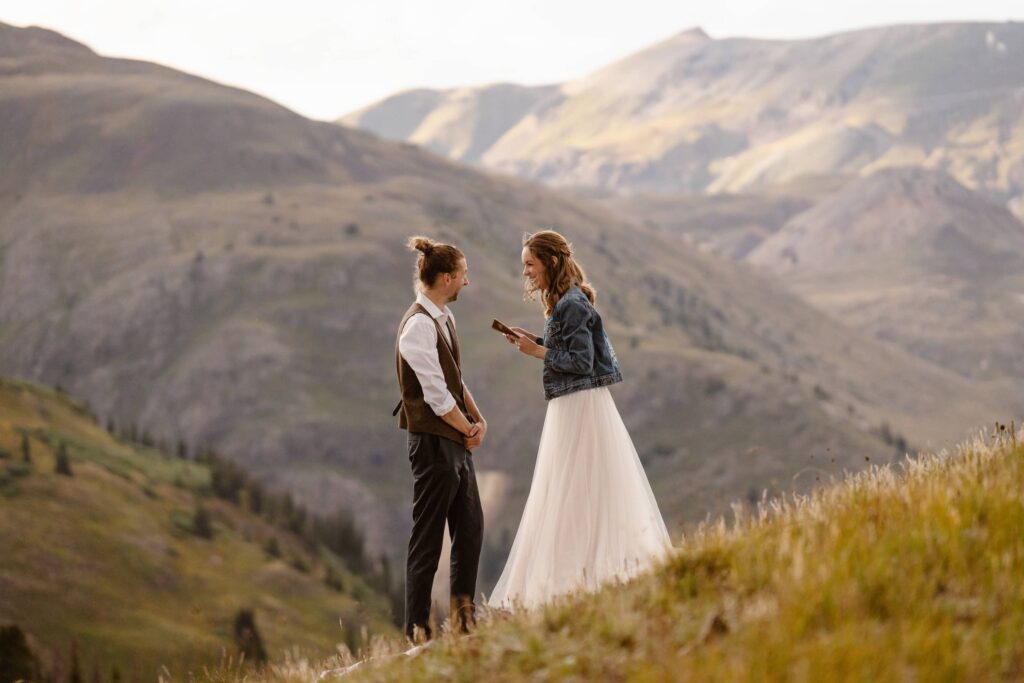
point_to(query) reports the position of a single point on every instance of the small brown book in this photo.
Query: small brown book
(503, 328)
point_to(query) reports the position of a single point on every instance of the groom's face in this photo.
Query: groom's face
(459, 279)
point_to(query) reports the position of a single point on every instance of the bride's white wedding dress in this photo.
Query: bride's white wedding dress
(590, 516)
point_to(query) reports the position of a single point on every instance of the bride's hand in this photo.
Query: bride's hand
(525, 343)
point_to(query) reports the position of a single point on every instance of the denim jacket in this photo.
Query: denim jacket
(579, 354)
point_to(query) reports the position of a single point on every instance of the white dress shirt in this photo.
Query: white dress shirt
(418, 346)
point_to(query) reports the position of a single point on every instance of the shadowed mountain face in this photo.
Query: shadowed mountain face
(694, 114)
(77, 122)
(730, 225)
(199, 262)
(915, 257)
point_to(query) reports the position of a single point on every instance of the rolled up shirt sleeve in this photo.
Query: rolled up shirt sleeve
(578, 356)
(418, 346)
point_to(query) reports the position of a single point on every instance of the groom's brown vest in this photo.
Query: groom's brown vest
(415, 414)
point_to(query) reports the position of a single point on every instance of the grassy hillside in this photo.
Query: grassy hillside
(895, 573)
(111, 557)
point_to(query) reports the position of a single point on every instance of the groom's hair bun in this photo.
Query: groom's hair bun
(435, 258)
(421, 243)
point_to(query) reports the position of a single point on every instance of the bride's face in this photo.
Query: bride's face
(533, 270)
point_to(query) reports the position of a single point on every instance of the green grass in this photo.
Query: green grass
(107, 558)
(908, 572)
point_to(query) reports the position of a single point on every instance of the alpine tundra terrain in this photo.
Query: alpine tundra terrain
(209, 269)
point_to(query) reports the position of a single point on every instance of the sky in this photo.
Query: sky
(324, 59)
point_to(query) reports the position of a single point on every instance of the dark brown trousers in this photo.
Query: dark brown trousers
(444, 490)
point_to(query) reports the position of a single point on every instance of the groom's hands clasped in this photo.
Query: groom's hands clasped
(476, 434)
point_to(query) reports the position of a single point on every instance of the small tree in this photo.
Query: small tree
(254, 497)
(886, 433)
(202, 526)
(247, 638)
(16, 659)
(76, 671)
(63, 465)
(332, 580)
(385, 573)
(26, 449)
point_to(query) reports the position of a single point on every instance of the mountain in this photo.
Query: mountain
(210, 269)
(694, 114)
(109, 558)
(912, 256)
(727, 224)
(906, 254)
(76, 122)
(459, 124)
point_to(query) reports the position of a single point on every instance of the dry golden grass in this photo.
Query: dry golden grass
(910, 572)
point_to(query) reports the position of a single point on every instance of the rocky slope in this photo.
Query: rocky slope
(914, 257)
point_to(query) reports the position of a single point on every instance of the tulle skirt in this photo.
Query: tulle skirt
(590, 517)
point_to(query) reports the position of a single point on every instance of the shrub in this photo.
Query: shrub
(202, 526)
(19, 469)
(247, 638)
(63, 465)
(333, 581)
(17, 662)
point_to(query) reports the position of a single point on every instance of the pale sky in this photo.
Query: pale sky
(324, 59)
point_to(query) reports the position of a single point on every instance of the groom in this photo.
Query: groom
(444, 426)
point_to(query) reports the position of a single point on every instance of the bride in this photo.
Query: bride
(590, 516)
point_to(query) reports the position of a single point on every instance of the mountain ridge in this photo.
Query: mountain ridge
(736, 114)
(919, 259)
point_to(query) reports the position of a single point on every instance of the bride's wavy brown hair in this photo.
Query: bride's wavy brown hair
(560, 268)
